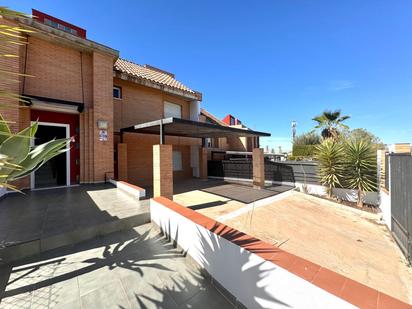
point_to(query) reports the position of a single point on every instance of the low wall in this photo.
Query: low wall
(385, 206)
(257, 274)
(350, 195)
(133, 190)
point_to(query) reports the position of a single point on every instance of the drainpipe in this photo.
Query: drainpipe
(194, 110)
(194, 149)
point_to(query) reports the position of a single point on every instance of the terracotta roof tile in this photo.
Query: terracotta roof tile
(150, 73)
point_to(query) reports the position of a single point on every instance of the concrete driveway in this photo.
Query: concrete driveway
(346, 240)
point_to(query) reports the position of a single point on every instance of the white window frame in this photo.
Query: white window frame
(52, 124)
(120, 92)
(177, 165)
(171, 104)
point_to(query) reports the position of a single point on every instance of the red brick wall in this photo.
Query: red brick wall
(141, 104)
(140, 156)
(11, 64)
(57, 71)
(103, 110)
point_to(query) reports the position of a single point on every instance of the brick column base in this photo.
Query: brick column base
(122, 162)
(163, 171)
(258, 168)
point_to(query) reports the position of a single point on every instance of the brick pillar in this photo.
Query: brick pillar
(102, 160)
(258, 168)
(381, 153)
(163, 171)
(122, 161)
(203, 163)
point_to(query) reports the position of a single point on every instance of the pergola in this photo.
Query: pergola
(162, 153)
(189, 128)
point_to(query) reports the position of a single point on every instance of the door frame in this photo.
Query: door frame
(53, 124)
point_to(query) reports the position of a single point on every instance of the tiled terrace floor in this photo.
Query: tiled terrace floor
(134, 269)
(216, 198)
(48, 218)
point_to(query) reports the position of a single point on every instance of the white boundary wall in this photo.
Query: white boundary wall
(255, 282)
(385, 206)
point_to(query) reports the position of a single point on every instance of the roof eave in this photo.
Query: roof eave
(50, 33)
(148, 83)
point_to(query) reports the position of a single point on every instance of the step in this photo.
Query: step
(14, 252)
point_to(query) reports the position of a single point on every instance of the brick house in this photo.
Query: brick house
(82, 89)
(223, 144)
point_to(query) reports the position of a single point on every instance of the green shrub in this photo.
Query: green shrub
(310, 138)
(303, 150)
(330, 156)
(360, 167)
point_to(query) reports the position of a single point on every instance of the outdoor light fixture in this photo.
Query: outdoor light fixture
(102, 124)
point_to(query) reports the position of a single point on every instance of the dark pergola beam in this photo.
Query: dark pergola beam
(189, 128)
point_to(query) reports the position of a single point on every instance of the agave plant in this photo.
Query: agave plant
(330, 156)
(360, 167)
(18, 158)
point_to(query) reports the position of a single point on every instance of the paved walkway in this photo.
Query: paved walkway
(46, 219)
(345, 240)
(134, 269)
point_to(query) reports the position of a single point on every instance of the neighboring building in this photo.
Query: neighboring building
(218, 146)
(82, 89)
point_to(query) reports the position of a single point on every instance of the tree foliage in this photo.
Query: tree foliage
(331, 123)
(309, 138)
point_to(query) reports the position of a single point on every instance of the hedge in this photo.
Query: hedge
(303, 150)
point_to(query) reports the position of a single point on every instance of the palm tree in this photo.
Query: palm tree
(330, 122)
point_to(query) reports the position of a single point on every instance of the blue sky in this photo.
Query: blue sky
(268, 62)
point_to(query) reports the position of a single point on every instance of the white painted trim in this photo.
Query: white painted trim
(52, 124)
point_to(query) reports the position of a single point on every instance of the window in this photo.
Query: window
(232, 121)
(208, 142)
(177, 161)
(172, 110)
(54, 24)
(117, 92)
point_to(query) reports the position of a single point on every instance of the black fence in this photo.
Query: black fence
(288, 171)
(401, 201)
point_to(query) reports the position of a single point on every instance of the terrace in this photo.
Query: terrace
(180, 259)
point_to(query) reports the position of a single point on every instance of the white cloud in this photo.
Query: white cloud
(338, 85)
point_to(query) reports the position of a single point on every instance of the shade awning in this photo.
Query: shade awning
(53, 104)
(188, 128)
